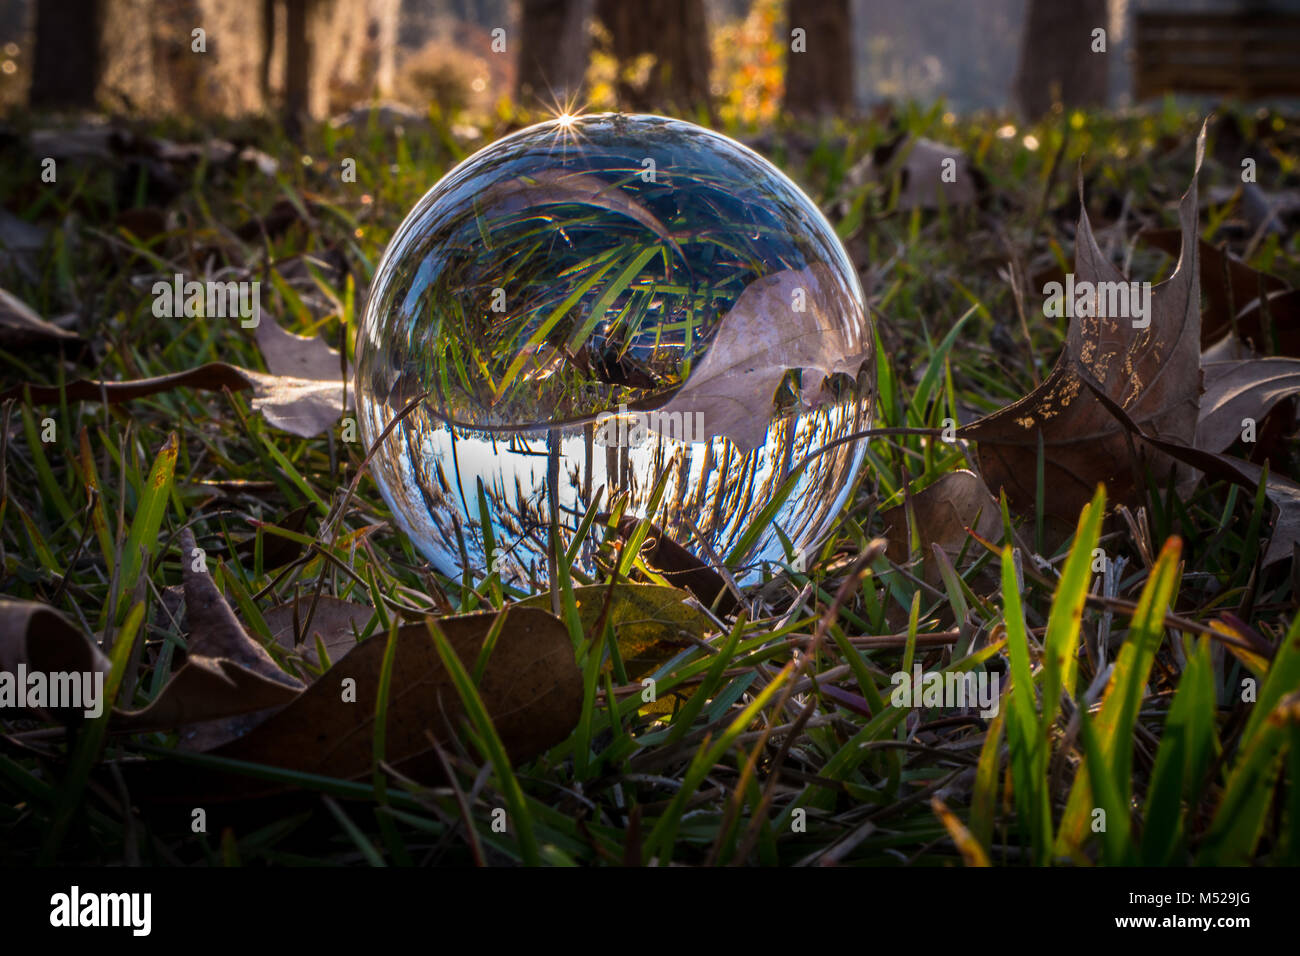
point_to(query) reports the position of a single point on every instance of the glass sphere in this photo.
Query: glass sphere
(617, 315)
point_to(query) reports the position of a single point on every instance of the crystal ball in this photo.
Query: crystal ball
(607, 317)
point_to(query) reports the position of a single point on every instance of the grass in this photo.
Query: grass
(756, 754)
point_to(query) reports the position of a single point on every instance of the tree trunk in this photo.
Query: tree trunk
(267, 50)
(1057, 63)
(818, 79)
(553, 51)
(675, 35)
(297, 67)
(65, 65)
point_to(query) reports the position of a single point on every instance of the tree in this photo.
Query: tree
(553, 50)
(1057, 58)
(297, 66)
(675, 36)
(65, 64)
(819, 60)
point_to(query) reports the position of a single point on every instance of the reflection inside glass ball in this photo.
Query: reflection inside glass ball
(614, 315)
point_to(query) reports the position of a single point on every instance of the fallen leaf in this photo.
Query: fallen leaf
(388, 117)
(531, 687)
(944, 514)
(20, 326)
(214, 631)
(336, 622)
(935, 176)
(303, 407)
(300, 406)
(38, 638)
(931, 175)
(277, 550)
(1228, 283)
(679, 567)
(297, 356)
(1153, 373)
(227, 683)
(1235, 391)
(760, 339)
(651, 622)
(1282, 492)
(205, 692)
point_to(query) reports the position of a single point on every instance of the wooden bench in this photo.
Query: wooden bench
(1248, 56)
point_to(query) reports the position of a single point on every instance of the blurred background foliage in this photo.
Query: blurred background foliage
(727, 60)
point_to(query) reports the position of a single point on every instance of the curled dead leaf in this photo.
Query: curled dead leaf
(38, 638)
(303, 407)
(1152, 371)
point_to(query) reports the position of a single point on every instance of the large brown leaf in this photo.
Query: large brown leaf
(1228, 283)
(204, 688)
(531, 686)
(1152, 373)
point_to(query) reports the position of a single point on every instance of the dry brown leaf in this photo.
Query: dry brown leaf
(39, 638)
(1282, 492)
(944, 514)
(760, 339)
(924, 166)
(214, 631)
(297, 356)
(927, 180)
(1153, 373)
(679, 567)
(1235, 391)
(302, 407)
(228, 682)
(20, 326)
(277, 550)
(1228, 283)
(336, 622)
(531, 687)
(207, 692)
(651, 622)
